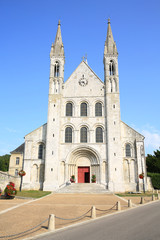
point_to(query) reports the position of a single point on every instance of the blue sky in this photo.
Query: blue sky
(28, 29)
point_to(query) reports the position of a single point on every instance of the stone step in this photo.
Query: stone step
(83, 188)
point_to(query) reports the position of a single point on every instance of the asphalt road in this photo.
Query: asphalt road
(142, 223)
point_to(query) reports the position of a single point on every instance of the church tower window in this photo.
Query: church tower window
(111, 68)
(69, 109)
(68, 135)
(99, 135)
(40, 151)
(98, 109)
(128, 150)
(83, 109)
(83, 135)
(56, 69)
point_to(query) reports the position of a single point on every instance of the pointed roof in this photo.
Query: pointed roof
(57, 48)
(110, 45)
(19, 149)
(86, 64)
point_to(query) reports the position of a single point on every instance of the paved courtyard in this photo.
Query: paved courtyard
(69, 205)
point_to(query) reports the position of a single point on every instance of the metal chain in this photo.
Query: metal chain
(73, 218)
(106, 209)
(25, 231)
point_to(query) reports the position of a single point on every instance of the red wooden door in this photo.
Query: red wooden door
(82, 174)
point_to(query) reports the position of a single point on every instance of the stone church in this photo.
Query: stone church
(84, 134)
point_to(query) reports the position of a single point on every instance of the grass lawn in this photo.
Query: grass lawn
(32, 193)
(147, 194)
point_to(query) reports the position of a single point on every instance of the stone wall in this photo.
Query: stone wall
(5, 178)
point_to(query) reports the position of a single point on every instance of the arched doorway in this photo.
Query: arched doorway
(83, 162)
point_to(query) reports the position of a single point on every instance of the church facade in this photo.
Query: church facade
(84, 134)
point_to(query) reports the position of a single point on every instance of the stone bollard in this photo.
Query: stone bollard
(153, 197)
(118, 206)
(142, 200)
(158, 197)
(153, 190)
(157, 191)
(129, 203)
(51, 222)
(93, 212)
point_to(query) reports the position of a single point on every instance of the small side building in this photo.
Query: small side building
(16, 160)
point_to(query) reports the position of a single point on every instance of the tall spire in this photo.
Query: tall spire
(57, 48)
(110, 45)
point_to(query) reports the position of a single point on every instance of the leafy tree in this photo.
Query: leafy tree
(153, 162)
(4, 162)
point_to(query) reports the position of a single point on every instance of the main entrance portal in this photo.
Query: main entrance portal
(83, 174)
(83, 162)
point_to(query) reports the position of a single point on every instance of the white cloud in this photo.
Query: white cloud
(151, 139)
(11, 130)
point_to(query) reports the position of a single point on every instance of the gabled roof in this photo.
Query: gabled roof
(19, 149)
(35, 129)
(88, 68)
(132, 129)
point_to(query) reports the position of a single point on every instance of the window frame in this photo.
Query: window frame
(69, 112)
(84, 134)
(40, 151)
(17, 160)
(68, 135)
(56, 69)
(98, 110)
(128, 152)
(99, 136)
(84, 110)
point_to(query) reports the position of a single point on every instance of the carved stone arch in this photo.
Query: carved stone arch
(131, 148)
(133, 170)
(84, 101)
(126, 170)
(84, 157)
(69, 133)
(34, 173)
(99, 109)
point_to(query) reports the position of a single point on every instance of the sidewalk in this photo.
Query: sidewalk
(62, 205)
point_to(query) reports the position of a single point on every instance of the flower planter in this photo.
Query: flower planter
(141, 176)
(22, 173)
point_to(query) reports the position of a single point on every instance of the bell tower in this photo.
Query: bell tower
(56, 80)
(112, 114)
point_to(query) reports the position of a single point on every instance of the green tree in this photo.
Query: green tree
(4, 162)
(153, 162)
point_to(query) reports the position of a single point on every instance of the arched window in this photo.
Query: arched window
(111, 68)
(83, 136)
(69, 109)
(56, 69)
(99, 135)
(40, 151)
(83, 109)
(68, 135)
(98, 109)
(128, 150)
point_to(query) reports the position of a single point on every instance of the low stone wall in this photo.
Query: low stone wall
(5, 178)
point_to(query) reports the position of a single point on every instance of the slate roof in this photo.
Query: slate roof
(19, 149)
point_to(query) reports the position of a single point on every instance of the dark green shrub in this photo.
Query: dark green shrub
(155, 178)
